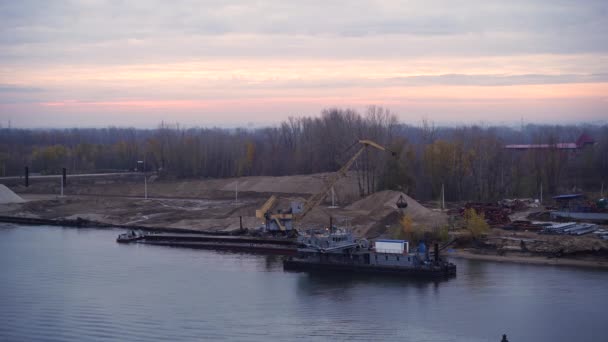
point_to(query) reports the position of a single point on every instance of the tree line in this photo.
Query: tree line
(469, 162)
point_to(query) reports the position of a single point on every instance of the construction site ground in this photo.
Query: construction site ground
(212, 205)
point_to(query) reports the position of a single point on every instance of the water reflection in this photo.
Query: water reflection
(273, 262)
(75, 284)
(327, 279)
(476, 272)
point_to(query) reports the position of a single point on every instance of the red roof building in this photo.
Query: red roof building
(581, 142)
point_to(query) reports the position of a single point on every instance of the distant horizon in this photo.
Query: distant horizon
(516, 124)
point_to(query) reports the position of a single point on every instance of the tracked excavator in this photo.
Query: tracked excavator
(284, 222)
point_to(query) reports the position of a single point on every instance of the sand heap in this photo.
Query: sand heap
(8, 196)
(382, 201)
(379, 211)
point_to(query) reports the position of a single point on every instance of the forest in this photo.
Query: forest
(469, 161)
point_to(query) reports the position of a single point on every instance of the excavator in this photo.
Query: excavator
(284, 221)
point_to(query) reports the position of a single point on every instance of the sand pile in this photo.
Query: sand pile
(8, 196)
(378, 211)
(379, 202)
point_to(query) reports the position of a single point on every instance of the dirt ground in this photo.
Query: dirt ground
(211, 204)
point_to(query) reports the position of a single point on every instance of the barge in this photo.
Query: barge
(244, 243)
(338, 250)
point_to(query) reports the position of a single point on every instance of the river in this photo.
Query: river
(65, 284)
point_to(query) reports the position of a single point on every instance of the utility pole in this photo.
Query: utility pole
(442, 197)
(541, 193)
(236, 193)
(143, 166)
(333, 198)
(145, 180)
(63, 180)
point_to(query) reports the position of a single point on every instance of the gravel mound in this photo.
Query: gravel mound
(380, 201)
(8, 196)
(378, 211)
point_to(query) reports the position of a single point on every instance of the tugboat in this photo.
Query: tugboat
(339, 250)
(132, 235)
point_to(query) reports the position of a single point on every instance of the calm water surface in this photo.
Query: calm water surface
(72, 285)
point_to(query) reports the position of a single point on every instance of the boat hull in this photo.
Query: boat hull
(443, 271)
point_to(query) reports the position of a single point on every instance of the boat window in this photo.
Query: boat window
(386, 257)
(397, 258)
(408, 258)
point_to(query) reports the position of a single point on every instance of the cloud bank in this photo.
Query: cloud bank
(66, 63)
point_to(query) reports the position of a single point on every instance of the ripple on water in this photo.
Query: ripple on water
(73, 285)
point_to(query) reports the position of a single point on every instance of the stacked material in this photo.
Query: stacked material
(601, 233)
(525, 225)
(8, 196)
(569, 228)
(493, 214)
(519, 204)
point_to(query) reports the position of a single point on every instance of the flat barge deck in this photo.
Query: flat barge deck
(284, 246)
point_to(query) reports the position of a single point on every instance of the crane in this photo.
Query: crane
(284, 221)
(317, 198)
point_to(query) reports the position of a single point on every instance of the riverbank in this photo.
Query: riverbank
(472, 254)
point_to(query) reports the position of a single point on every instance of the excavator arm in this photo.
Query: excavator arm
(317, 198)
(264, 212)
(265, 207)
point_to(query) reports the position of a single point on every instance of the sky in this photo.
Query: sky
(94, 63)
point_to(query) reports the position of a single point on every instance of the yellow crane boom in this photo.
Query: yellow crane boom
(259, 213)
(280, 218)
(317, 198)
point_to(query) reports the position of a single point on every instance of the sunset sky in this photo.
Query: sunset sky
(92, 63)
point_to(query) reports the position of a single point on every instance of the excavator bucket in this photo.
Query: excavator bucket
(401, 202)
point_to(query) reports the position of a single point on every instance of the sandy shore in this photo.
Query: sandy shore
(533, 260)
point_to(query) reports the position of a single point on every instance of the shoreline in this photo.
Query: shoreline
(462, 253)
(529, 260)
